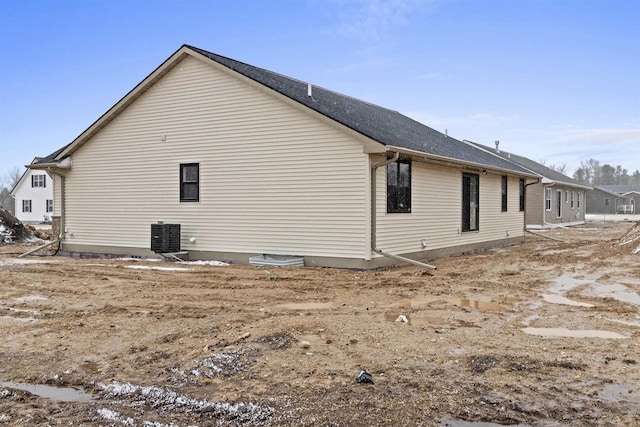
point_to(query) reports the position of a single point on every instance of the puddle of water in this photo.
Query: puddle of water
(567, 282)
(528, 320)
(618, 292)
(625, 322)
(559, 299)
(572, 333)
(621, 392)
(460, 302)
(307, 306)
(60, 394)
(406, 303)
(31, 298)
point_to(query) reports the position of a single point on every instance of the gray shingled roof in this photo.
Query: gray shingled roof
(380, 124)
(621, 189)
(385, 126)
(534, 167)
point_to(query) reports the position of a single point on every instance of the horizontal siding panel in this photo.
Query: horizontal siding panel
(436, 211)
(273, 179)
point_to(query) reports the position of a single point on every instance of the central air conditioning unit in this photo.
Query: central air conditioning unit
(165, 238)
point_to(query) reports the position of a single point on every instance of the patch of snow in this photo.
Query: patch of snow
(19, 319)
(203, 262)
(4, 393)
(165, 399)
(5, 417)
(637, 250)
(147, 267)
(30, 298)
(216, 365)
(5, 235)
(18, 261)
(139, 259)
(110, 415)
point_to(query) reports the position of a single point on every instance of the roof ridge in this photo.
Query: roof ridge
(209, 54)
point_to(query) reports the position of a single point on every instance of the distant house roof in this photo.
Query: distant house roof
(621, 189)
(382, 125)
(604, 190)
(534, 167)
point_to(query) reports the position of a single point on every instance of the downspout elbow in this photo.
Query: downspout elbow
(374, 247)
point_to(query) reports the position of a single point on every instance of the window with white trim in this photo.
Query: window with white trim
(26, 206)
(547, 199)
(572, 199)
(566, 196)
(38, 181)
(49, 205)
(579, 192)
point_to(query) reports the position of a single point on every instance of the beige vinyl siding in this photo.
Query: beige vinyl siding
(436, 211)
(57, 195)
(273, 178)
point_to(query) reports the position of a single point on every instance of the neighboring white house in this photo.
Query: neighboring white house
(250, 162)
(33, 194)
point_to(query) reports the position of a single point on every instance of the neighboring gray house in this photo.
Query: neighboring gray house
(629, 197)
(601, 201)
(251, 162)
(554, 200)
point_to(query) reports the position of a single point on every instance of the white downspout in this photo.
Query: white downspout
(374, 246)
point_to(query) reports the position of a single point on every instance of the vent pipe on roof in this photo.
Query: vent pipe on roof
(497, 146)
(446, 132)
(309, 90)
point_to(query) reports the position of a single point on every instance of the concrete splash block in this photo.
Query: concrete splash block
(277, 260)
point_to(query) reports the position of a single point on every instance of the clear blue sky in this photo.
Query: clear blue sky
(555, 80)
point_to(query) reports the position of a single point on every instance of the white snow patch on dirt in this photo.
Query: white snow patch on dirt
(166, 400)
(202, 262)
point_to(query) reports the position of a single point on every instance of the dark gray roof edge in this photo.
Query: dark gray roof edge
(620, 188)
(282, 84)
(385, 126)
(604, 190)
(533, 166)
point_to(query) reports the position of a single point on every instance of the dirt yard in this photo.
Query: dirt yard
(542, 334)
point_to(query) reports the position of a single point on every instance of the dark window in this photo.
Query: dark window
(572, 193)
(190, 182)
(522, 195)
(49, 205)
(38, 180)
(504, 193)
(470, 201)
(26, 206)
(399, 187)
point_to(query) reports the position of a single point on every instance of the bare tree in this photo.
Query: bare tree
(560, 167)
(7, 182)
